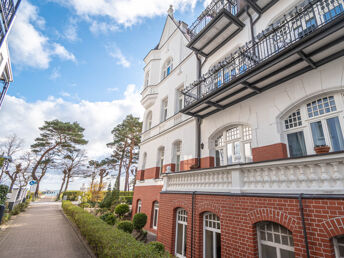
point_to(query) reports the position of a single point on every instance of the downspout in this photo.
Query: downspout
(304, 225)
(251, 23)
(192, 222)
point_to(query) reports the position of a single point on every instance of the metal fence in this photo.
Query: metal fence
(298, 23)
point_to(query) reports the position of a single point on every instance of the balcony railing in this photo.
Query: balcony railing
(314, 174)
(302, 21)
(210, 13)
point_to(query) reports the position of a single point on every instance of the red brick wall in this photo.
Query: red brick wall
(324, 219)
(270, 152)
(150, 173)
(148, 195)
(172, 165)
(140, 175)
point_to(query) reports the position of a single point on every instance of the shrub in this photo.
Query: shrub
(5, 218)
(105, 240)
(159, 247)
(85, 205)
(121, 210)
(21, 206)
(124, 193)
(109, 218)
(126, 226)
(126, 199)
(72, 195)
(139, 221)
(15, 210)
(3, 194)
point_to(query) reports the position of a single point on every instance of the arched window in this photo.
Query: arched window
(177, 149)
(155, 214)
(315, 123)
(338, 243)
(167, 67)
(149, 120)
(274, 241)
(161, 156)
(139, 206)
(233, 145)
(181, 228)
(211, 236)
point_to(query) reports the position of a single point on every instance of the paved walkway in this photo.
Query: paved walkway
(41, 232)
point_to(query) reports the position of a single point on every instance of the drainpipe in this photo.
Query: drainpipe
(304, 225)
(192, 221)
(251, 23)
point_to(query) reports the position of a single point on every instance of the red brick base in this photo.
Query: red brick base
(324, 219)
(270, 152)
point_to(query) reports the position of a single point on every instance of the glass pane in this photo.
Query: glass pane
(341, 251)
(218, 245)
(269, 251)
(296, 144)
(318, 134)
(218, 158)
(179, 238)
(237, 152)
(229, 153)
(155, 218)
(336, 134)
(209, 245)
(269, 235)
(287, 254)
(248, 152)
(285, 240)
(340, 240)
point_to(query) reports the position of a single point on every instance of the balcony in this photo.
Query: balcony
(8, 9)
(217, 24)
(313, 174)
(311, 35)
(149, 95)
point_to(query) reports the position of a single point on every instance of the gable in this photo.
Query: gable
(169, 28)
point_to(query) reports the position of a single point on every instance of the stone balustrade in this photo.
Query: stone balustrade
(314, 174)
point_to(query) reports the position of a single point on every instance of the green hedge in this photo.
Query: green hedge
(72, 195)
(128, 199)
(107, 241)
(3, 194)
(123, 193)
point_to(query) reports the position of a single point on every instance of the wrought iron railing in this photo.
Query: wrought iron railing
(210, 13)
(300, 22)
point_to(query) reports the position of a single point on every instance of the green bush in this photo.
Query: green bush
(121, 210)
(3, 194)
(6, 218)
(16, 210)
(126, 199)
(159, 247)
(107, 241)
(85, 205)
(126, 226)
(72, 195)
(109, 218)
(139, 221)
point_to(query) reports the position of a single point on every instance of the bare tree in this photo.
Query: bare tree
(9, 148)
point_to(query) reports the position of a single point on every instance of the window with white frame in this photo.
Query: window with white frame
(139, 205)
(211, 236)
(161, 155)
(181, 229)
(180, 99)
(167, 68)
(274, 241)
(177, 154)
(164, 109)
(233, 145)
(338, 243)
(318, 122)
(155, 214)
(149, 121)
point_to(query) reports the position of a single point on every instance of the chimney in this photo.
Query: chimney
(170, 11)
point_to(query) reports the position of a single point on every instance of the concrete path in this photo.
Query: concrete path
(41, 231)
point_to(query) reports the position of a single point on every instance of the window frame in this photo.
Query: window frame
(213, 230)
(139, 206)
(184, 233)
(161, 159)
(336, 246)
(155, 217)
(177, 152)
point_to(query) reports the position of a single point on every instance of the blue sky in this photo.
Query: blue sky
(82, 60)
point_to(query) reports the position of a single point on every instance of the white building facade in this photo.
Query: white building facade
(245, 107)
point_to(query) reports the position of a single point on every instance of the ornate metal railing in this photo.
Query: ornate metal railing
(210, 13)
(301, 21)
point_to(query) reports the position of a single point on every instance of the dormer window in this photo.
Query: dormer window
(167, 68)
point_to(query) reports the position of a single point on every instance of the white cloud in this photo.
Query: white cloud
(117, 54)
(112, 89)
(29, 46)
(102, 27)
(55, 74)
(71, 30)
(125, 12)
(65, 94)
(98, 118)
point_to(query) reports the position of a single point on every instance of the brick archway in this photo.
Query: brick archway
(266, 214)
(180, 204)
(210, 207)
(333, 227)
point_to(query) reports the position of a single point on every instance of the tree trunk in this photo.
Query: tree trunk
(126, 188)
(13, 180)
(120, 166)
(100, 182)
(33, 173)
(2, 172)
(67, 183)
(37, 189)
(63, 181)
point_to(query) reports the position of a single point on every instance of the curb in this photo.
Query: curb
(78, 234)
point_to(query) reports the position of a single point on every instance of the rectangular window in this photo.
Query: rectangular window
(248, 152)
(336, 134)
(209, 247)
(229, 153)
(311, 23)
(226, 75)
(178, 163)
(237, 152)
(219, 78)
(296, 144)
(168, 71)
(233, 73)
(155, 219)
(318, 134)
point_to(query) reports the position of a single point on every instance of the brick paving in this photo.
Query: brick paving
(41, 232)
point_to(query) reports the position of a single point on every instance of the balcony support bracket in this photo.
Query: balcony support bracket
(307, 59)
(251, 87)
(210, 103)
